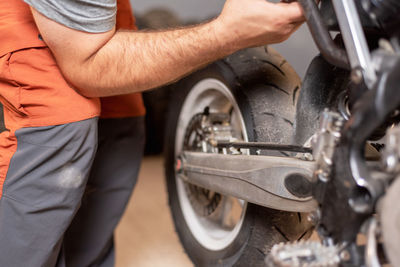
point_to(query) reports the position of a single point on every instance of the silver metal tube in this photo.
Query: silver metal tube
(371, 251)
(354, 39)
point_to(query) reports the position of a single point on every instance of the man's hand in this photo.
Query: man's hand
(123, 62)
(259, 22)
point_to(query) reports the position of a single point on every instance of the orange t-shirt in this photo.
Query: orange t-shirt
(32, 88)
(125, 105)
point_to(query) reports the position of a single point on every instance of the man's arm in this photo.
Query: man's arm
(121, 62)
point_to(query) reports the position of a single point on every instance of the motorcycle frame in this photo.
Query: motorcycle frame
(352, 188)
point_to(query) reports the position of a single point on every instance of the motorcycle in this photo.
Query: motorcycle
(257, 162)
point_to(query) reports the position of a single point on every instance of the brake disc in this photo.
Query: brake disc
(204, 201)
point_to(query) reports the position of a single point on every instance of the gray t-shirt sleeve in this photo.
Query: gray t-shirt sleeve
(93, 16)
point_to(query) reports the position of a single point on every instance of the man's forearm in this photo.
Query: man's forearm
(138, 61)
(109, 63)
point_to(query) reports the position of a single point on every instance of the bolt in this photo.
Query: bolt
(322, 176)
(356, 76)
(345, 255)
(386, 45)
(313, 218)
(213, 142)
(308, 156)
(391, 163)
(234, 151)
(338, 124)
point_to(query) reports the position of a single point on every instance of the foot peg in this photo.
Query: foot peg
(303, 254)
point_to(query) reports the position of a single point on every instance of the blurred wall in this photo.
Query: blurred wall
(298, 50)
(187, 10)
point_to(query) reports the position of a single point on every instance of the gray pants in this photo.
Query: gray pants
(53, 211)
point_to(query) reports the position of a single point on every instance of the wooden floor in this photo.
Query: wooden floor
(145, 236)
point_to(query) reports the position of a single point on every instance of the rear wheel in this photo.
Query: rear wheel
(218, 230)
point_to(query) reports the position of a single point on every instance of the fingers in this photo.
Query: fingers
(293, 11)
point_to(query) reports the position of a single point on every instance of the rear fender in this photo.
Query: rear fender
(321, 87)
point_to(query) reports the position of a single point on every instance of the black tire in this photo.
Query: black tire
(266, 96)
(321, 88)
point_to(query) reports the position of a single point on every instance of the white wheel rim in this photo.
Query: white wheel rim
(216, 95)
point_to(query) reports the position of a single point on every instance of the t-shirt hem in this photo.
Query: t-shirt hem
(43, 122)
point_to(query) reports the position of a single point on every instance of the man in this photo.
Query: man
(56, 58)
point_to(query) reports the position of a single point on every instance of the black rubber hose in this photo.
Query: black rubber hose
(329, 50)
